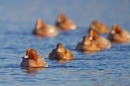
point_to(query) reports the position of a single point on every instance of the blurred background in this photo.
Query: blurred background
(81, 12)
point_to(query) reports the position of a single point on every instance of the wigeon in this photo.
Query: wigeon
(87, 45)
(32, 59)
(65, 23)
(99, 27)
(45, 30)
(118, 35)
(60, 53)
(102, 42)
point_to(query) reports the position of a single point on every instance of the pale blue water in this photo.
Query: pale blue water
(105, 68)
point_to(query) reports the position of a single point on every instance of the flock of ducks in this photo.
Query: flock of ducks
(91, 43)
(45, 30)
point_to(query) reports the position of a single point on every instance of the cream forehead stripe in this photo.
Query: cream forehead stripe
(73, 27)
(128, 36)
(26, 56)
(59, 20)
(113, 32)
(90, 38)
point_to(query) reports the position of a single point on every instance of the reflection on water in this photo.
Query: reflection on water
(90, 52)
(61, 61)
(31, 70)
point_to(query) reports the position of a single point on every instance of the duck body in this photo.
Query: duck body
(60, 53)
(65, 23)
(42, 30)
(118, 35)
(92, 47)
(102, 42)
(87, 45)
(41, 62)
(31, 59)
(100, 28)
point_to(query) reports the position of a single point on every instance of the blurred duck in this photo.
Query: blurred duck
(32, 59)
(118, 35)
(102, 42)
(42, 30)
(99, 27)
(87, 45)
(60, 53)
(65, 23)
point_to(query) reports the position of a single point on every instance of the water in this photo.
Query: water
(105, 68)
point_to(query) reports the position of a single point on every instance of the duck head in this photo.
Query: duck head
(93, 35)
(86, 40)
(40, 24)
(95, 24)
(31, 54)
(61, 18)
(116, 29)
(65, 23)
(60, 48)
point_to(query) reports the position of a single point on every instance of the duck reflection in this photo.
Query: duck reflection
(61, 61)
(33, 70)
(89, 52)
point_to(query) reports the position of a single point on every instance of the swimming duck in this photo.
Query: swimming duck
(32, 59)
(99, 27)
(87, 45)
(118, 35)
(43, 30)
(102, 42)
(65, 23)
(60, 53)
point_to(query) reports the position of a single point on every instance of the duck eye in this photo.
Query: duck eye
(32, 53)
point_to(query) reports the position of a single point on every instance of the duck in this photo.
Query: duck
(32, 59)
(100, 28)
(87, 45)
(61, 53)
(45, 30)
(65, 23)
(102, 42)
(119, 35)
